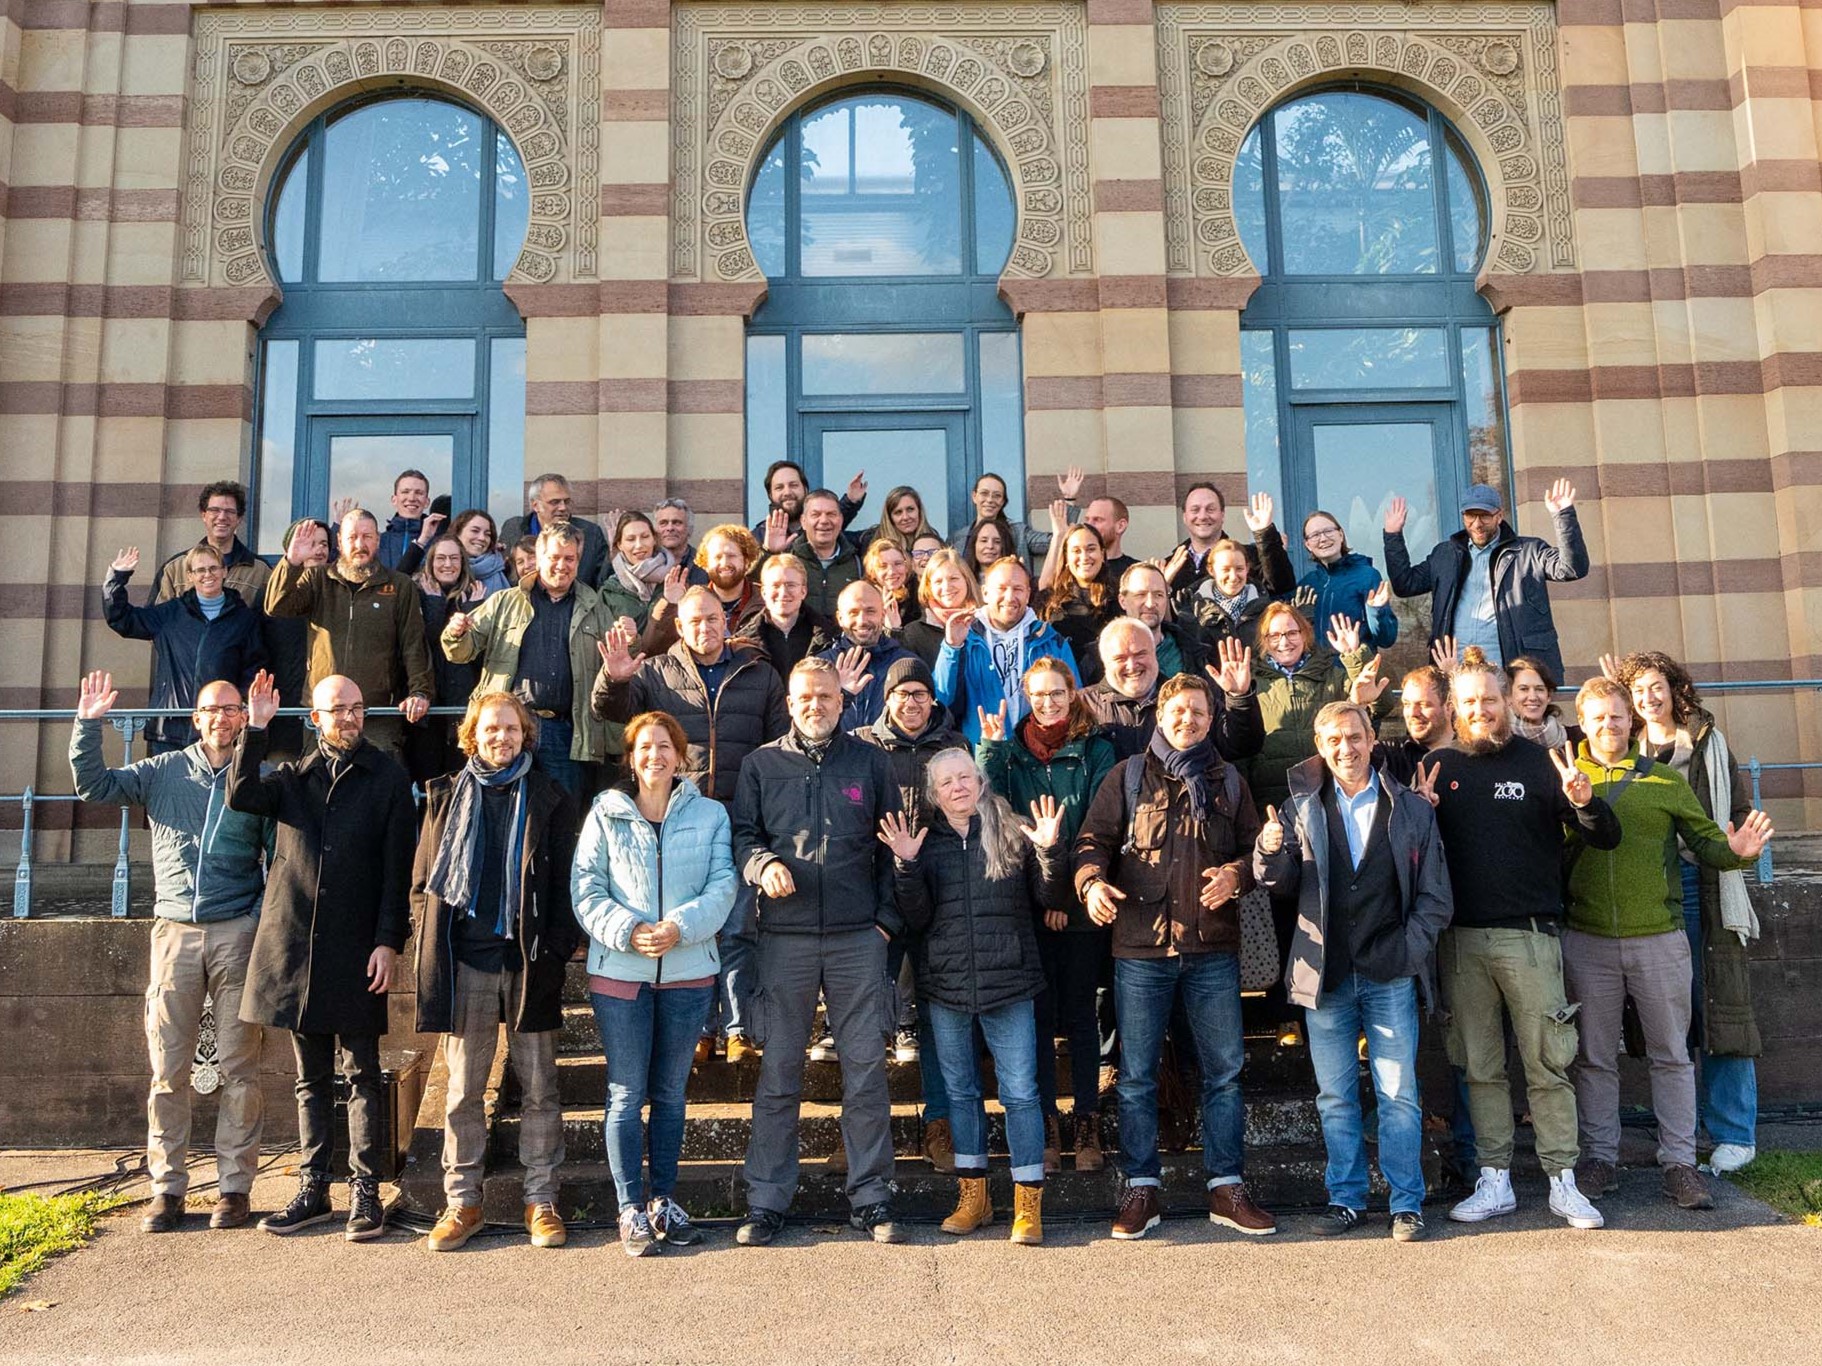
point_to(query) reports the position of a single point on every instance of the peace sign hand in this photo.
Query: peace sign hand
(1271, 834)
(993, 724)
(896, 834)
(1423, 782)
(1576, 785)
(1047, 823)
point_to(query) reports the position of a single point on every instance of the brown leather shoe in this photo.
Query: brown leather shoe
(231, 1211)
(1088, 1154)
(458, 1224)
(1139, 1213)
(1053, 1145)
(705, 1049)
(1232, 1206)
(1594, 1178)
(545, 1226)
(1685, 1186)
(163, 1215)
(939, 1146)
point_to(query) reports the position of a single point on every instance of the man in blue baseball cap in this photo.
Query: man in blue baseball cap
(1491, 585)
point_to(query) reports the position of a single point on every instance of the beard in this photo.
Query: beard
(1492, 743)
(726, 583)
(791, 505)
(348, 569)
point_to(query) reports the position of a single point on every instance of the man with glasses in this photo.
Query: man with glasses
(335, 915)
(223, 506)
(551, 504)
(208, 874)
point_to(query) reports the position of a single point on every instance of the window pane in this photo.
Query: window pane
(1354, 180)
(915, 456)
(881, 189)
(1466, 214)
(395, 367)
(766, 437)
(883, 363)
(1369, 358)
(506, 429)
(1249, 200)
(1259, 374)
(363, 467)
(1002, 421)
(765, 213)
(511, 206)
(277, 444)
(1481, 409)
(994, 217)
(288, 221)
(402, 193)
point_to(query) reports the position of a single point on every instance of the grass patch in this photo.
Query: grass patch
(1787, 1181)
(35, 1228)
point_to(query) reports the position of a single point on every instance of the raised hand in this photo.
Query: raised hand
(126, 561)
(1047, 822)
(1395, 513)
(1219, 886)
(896, 834)
(1610, 668)
(341, 507)
(1344, 634)
(1576, 785)
(1233, 673)
(1271, 834)
(857, 487)
(1102, 902)
(1423, 782)
(433, 523)
(1750, 839)
(955, 630)
(98, 696)
(1381, 594)
(1069, 482)
(262, 700)
(618, 661)
(1258, 512)
(775, 880)
(304, 544)
(459, 624)
(676, 583)
(1561, 497)
(777, 531)
(1179, 559)
(1059, 516)
(993, 724)
(1443, 653)
(1368, 686)
(851, 669)
(1304, 599)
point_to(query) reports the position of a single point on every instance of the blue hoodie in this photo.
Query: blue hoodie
(1341, 590)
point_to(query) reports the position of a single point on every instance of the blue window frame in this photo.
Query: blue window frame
(882, 221)
(1371, 364)
(391, 226)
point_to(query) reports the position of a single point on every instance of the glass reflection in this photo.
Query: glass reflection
(1485, 421)
(395, 368)
(1259, 394)
(511, 205)
(363, 467)
(1249, 201)
(401, 193)
(505, 428)
(767, 439)
(288, 221)
(1369, 358)
(277, 444)
(1355, 189)
(994, 216)
(1002, 420)
(1467, 217)
(765, 213)
(883, 363)
(915, 456)
(881, 182)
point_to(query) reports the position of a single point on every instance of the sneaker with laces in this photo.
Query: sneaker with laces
(1231, 1207)
(1408, 1227)
(761, 1227)
(366, 1215)
(1684, 1185)
(905, 1049)
(1138, 1215)
(823, 1050)
(1338, 1220)
(876, 1222)
(1730, 1157)
(671, 1224)
(1492, 1196)
(309, 1206)
(1570, 1205)
(636, 1236)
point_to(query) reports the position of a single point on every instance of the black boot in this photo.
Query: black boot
(309, 1206)
(366, 1215)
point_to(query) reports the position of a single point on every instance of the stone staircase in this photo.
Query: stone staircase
(1283, 1136)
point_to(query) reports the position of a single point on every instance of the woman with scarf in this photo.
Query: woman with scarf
(1080, 596)
(1225, 605)
(887, 566)
(1345, 583)
(1535, 714)
(653, 884)
(945, 588)
(1058, 752)
(490, 907)
(970, 885)
(474, 528)
(1718, 915)
(445, 585)
(635, 574)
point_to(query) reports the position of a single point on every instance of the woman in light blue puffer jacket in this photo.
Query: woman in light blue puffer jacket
(653, 883)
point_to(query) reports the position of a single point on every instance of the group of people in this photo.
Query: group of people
(809, 794)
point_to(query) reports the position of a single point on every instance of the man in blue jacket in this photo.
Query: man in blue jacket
(981, 664)
(1491, 586)
(208, 870)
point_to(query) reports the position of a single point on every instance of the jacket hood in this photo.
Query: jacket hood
(939, 734)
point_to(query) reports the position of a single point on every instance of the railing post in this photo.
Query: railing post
(129, 728)
(22, 876)
(1758, 804)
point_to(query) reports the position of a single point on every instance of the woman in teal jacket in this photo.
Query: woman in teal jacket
(1345, 583)
(653, 884)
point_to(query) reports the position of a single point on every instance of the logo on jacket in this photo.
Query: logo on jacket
(853, 794)
(1508, 792)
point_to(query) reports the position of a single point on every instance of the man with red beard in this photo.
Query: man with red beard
(726, 556)
(1502, 805)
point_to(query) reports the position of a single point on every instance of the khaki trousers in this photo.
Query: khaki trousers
(482, 1001)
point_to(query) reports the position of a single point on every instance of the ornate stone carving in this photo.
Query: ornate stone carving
(1490, 67)
(533, 69)
(1021, 72)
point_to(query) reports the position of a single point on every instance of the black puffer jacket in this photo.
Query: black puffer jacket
(911, 758)
(748, 710)
(188, 650)
(976, 945)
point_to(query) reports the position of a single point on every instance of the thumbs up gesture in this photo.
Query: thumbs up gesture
(1271, 834)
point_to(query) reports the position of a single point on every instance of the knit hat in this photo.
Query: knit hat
(910, 669)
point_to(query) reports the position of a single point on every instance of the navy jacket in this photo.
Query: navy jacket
(188, 650)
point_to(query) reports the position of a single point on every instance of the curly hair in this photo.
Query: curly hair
(1685, 701)
(739, 535)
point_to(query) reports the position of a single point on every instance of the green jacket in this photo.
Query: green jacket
(499, 626)
(371, 631)
(1287, 707)
(1072, 777)
(1637, 889)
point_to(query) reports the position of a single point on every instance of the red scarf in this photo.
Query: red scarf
(1043, 741)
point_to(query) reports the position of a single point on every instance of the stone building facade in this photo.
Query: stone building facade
(1652, 253)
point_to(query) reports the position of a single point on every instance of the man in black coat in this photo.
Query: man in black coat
(336, 914)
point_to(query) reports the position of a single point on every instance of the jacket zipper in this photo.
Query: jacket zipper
(658, 839)
(968, 899)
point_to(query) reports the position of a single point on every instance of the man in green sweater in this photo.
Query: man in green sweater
(1624, 937)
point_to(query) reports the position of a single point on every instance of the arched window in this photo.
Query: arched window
(1372, 366)
(390, 227)
(882, 221)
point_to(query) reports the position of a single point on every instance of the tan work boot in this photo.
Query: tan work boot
(458, 1224)
(939, 1146)
(1088, 1154)
(740, 1050)
(972, 1208)
(1027, 1214)
(545, 1226)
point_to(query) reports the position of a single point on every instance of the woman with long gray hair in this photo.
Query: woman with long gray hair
(971, 887)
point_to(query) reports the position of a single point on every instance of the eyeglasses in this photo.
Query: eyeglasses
(353, 709)
(1324, 534)
(1049, 695)
(921, 555)
(229, 511)
(226, 709)
(207, 571)
(912, 694)
(1287, 636)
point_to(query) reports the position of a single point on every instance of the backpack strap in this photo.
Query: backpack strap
(1133, 776)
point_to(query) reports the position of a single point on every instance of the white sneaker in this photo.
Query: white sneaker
(1492, 1196)
(1730, 1157)
(1570, 1205)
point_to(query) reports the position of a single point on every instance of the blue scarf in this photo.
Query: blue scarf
(1189, 767)
(458, 862)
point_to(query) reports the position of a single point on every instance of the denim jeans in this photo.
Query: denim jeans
(551, 755)
(1145, 989)
(1727, 1088)
(929, 1073)
(730, 1011)
(1387, 1013)
(1012, 1038)
(650, 1043)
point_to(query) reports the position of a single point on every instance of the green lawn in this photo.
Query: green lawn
(35, 1228)
(1791, 1182)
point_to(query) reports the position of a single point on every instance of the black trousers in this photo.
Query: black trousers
(1072, 960)
(360, 1060)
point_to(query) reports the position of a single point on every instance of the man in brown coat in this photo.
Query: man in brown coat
(1164, 856)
